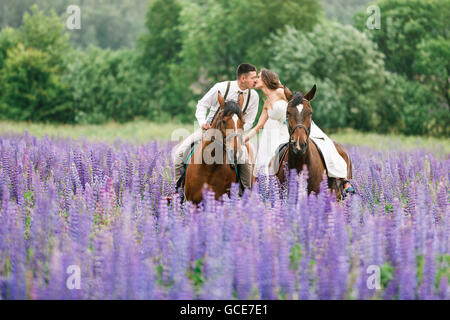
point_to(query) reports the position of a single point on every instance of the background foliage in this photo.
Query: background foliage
(154, 59)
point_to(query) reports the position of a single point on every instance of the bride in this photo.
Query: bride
(273, 120)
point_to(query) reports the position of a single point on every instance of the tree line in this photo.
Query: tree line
(393, 79)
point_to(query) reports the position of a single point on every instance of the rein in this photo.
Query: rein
(299, 125)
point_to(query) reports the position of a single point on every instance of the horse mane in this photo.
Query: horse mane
(231, 107)
(298, 98)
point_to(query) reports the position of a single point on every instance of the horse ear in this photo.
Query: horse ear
(221, 100)
(288, 93)
(241, 100)
(310, 95)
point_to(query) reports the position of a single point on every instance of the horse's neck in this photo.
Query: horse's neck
(214, 164)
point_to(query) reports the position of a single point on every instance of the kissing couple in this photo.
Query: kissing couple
(272, 122)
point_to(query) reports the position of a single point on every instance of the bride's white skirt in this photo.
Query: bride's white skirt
(276, 133)
(336, 165)
(273, 134)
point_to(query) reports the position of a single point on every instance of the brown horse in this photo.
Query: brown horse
(302, 151)
(225, 141)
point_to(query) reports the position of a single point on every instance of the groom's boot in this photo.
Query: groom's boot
(179, 166)
(179, 154)
(179, 171)
(245, 175)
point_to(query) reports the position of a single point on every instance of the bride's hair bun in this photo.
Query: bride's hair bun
(270, 79)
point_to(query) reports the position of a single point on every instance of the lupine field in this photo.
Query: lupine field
(103, 207)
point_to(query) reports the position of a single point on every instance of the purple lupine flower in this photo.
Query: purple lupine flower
(443, 288)
(266, 271)
(56, 285)
(442, 198)
(426, 290)
(243, 277)
(411, 195)
(17, 258)
(179, 261)
(340, 242)
(407, 273)
(2, 184)
(286, 278)
(239, 239)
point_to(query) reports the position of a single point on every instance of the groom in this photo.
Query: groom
(246, 78)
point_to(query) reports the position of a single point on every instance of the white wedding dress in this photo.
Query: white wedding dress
(275, 132)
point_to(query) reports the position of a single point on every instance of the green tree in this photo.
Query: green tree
(346, 66)
(108, 85)
(414, 39)
(31, 77)
(410, 108)
(32, 89)
(46, 33)
(404, 24)
(262, 18)
(9, 38)
(162, 41)
(159, 48)
(432, 61)
(219, 35)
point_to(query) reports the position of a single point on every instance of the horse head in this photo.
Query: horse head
(299, 118)
(230, 123)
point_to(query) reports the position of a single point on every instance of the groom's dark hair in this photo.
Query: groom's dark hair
(244, 68)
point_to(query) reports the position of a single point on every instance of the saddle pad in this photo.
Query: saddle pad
(189, 151)
(186, 158)
(281, 154)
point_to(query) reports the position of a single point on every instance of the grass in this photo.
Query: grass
(138, 131)
(392, 141)
(143, 131)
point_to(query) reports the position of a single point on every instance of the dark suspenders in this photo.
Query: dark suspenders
(225, 97)
(248, 100)
(226, 92)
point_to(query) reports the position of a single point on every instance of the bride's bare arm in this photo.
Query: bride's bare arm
(262, 120)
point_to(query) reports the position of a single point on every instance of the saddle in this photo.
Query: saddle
(187, 157)
(280, 154)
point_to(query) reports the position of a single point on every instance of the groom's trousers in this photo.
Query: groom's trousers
(178, 155)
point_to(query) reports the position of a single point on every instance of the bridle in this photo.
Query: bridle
(291, 131)
(227, 137)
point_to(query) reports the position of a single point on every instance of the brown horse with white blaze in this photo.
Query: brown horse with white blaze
(303, 151)
(213, 163)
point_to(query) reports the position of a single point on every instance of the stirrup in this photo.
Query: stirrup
(349, 190)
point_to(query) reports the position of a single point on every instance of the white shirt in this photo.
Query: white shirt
(210, 100)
